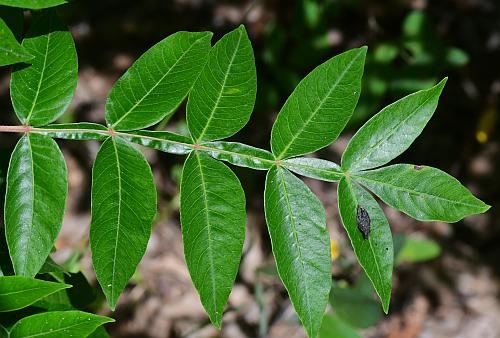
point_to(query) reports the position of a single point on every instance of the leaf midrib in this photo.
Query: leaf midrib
(27, 290)
(32, 205)
(42, 74)
(54, 331)
(295, 236)
(320, 105)
(118, 221)
(209, 234)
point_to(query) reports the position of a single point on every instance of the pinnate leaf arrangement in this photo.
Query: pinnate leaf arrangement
(220, 84)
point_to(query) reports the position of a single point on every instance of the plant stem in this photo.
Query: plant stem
(112, 133)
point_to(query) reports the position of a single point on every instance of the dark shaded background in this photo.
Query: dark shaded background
(412, 44)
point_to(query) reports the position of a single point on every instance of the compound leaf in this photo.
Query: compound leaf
(17, 292)
(42, 91)
(375, 254)
(390, 132)
(424, 193)
(320, 106)
(213, 221)
(123, 208)
(34, 202)
(33, 4)
(155, 85)
(10, 50)
(301, 245)
(223, 97)
(58, 324)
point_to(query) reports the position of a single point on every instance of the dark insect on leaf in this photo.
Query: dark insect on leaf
(363, 220)
(418, 167)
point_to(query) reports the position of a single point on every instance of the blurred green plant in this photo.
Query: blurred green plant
(354, 307)
(398, 65)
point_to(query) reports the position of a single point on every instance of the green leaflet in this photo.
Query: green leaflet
(315, 168)
(75, 131)
(10, 50)
(374, 254)
(123, 208)
(17, 292)
(239, 154)
(155, 85)
(42, 92)
(33, 4)
(213, 222)
(34, 202)
(424, 193)
(3, 332)
(320, 106)
(390, 132)
(301, 245)
(223, 97)
(58, 324)
(160, 140)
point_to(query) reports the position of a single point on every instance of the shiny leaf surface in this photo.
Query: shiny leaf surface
(390, 132)
(123, 208)
(10, 50)
(42, 91)
(58, 324)
(160, 140)
(17, 292)
(155, 85)
(223, 97)
(424, 193)
(315, 168)
(375, 254)
(34, 202)
(240, 154)
(301, 245)
(75, 131)
(320, 106)
(33, 4)
(213, 222)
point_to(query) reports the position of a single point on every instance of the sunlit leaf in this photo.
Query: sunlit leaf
(375, 254)
(301, 245)
(213, 221)
(222, 98)
(424, 193)
(34, 202)
(123, 208)
(42, 90)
